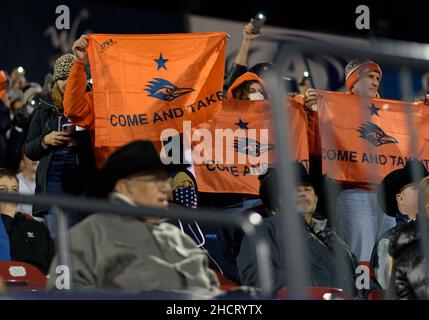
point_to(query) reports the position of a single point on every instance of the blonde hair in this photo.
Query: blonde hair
(57, 97)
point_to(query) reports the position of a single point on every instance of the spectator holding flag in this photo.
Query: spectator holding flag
(64, 157)
(239, 66)
(78, 103)
(360, 220)
(248, 87)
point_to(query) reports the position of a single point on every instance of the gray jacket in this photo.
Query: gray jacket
(324, 267)
(112, 253)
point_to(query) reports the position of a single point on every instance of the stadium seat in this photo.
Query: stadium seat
(377, 294)
(315, 293)
(225, 284)
(22, 277)
(365, 263)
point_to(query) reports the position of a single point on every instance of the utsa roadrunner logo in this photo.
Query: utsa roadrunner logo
(251, 147)
(374, 134)
(165, 90)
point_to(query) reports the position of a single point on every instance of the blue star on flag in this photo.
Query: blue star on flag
(374, 110)
(161, 62)
(242, 124)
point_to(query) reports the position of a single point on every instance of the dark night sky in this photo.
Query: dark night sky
(23, 22)
(394, 19)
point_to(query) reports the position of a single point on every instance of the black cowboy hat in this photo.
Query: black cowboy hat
(394, 182)
(268, 189)
(132, 158)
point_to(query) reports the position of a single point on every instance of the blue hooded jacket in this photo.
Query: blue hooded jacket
(4, 243)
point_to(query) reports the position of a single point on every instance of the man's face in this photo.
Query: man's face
(407, 200)
(149, 188)
(367, 86)
(305, 199)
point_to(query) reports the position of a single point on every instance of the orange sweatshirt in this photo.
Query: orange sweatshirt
(79, 108)
(248, 76)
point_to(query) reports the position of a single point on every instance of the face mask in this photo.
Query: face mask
(186, 197)
(256, 96)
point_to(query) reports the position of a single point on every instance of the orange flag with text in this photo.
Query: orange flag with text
(236, 146)
(144, 84)
(365, 139)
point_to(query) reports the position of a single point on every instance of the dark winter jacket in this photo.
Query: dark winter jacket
(112, 253)
(318, 253)
(5, 124)
(20, 124)
(408, 280)
(380, 258)
(29, 240)
(45, 120)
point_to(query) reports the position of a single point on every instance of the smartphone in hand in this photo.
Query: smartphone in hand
(258, 22)
(68, 128)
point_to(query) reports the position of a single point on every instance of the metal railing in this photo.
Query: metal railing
(58, 203)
